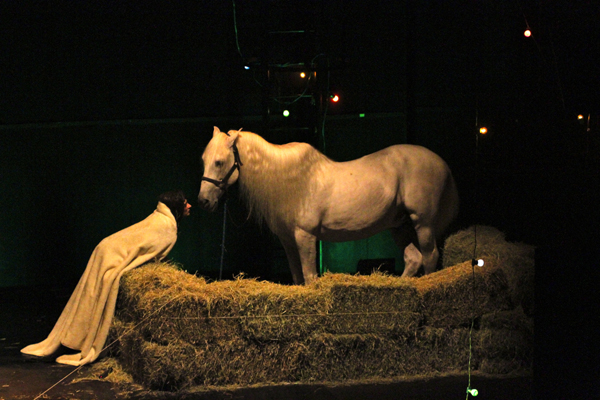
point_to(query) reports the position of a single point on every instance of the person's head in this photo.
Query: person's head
(176, 202)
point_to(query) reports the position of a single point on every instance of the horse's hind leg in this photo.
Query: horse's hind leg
(406, 240)
(412, 260)
(420, 248)
(428, 247)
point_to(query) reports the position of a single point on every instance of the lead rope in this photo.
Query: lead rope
(223, 238)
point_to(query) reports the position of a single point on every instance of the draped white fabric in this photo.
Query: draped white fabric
(86, 319)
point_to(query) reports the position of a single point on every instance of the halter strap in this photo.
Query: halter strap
(237, 163)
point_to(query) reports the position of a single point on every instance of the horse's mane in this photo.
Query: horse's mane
(275, 179)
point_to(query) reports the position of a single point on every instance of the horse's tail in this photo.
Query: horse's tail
(448, 206)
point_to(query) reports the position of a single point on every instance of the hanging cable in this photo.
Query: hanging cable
(470, 391)
(324, 116)
(554, 63)
(322, 269)
(237, 43)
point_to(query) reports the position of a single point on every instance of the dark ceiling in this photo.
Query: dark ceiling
(73, 61)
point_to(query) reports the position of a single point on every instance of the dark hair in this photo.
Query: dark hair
(175, 200)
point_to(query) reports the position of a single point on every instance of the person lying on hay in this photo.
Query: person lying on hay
(84, 323)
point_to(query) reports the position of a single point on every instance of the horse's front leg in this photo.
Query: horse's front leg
(307, 248)
(293, 257)
(301, 250)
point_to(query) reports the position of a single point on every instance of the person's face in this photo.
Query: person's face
(186, 209)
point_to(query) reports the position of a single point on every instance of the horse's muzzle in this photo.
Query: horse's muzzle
(206, 204)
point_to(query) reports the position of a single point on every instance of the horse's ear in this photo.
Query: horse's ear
(215, 131)
(232, 137)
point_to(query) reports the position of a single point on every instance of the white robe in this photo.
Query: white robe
(86, 319)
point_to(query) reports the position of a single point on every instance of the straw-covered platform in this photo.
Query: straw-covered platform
(176, 330)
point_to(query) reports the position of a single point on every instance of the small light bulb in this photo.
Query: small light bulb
(478, 262)
(286, 113)
(302, 75)
(527, 33)
(483, 130)
(580, 116)
(335, 98)
(473, 392)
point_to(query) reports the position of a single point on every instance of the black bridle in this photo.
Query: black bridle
(237, 163)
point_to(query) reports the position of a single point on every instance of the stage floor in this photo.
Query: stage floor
(28, 314)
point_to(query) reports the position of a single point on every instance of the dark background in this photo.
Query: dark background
(104, 105)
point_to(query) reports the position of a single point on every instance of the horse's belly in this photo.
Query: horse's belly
(357, 210)
(357, 227)
(347, 235)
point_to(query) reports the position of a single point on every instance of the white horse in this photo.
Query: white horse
(304, 196)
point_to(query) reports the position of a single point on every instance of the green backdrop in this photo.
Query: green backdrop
(67, 186)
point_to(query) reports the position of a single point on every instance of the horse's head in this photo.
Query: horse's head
(221, 168)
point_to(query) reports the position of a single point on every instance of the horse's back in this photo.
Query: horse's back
(414, 155)
(426, 182)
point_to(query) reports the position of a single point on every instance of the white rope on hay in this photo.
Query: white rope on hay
(287, 315)
(57, 383)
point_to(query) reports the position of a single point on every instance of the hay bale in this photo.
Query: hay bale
(440, 350)
(160, 367)
(157, 290)
(353, 356)
(199, 312)
(179, 365)
(459, 247)
(377, 303)
(455, 295)
(516, 259)
(273, 312)
(176, 330)
(514, 320)
(502, 351)
(253, 310)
